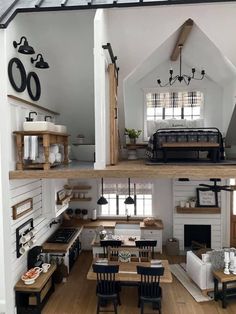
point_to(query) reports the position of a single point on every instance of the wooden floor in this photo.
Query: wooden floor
(77, 296)
(129, 168)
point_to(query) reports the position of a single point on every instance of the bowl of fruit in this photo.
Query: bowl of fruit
(31, 275)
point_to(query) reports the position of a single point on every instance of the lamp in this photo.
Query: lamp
(24, 48)
(41, 64)
(129, 200)
(102, 200)
(181, 77)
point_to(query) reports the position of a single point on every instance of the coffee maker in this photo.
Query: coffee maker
(33, 259)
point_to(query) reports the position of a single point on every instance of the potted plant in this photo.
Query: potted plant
(132, 134)
(85, 214)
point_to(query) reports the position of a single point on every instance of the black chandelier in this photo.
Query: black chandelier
(181, 77)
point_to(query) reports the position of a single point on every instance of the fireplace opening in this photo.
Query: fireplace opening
(197, 236)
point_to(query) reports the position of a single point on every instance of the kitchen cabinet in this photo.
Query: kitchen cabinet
(51, 207)
(32, 298)
(87, 237)
(153, 234)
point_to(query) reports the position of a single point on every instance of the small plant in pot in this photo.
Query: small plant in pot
(193, 202)
(85, 214)
(132, 134)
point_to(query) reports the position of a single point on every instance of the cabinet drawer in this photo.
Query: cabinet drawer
(151, 232)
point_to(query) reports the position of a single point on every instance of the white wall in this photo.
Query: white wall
(101, 89)
(66, 41)
(134, 96)
(21, 190)
(144, 29)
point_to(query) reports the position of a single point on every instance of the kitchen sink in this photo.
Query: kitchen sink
(127, 229)
(127, 226)
(38, 126)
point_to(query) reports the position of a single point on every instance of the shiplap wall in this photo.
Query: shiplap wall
(19, 191)
(183, 191)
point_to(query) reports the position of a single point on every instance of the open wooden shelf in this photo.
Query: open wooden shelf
(64, 201)
(77, 187)
(198, 210)
(84, 199)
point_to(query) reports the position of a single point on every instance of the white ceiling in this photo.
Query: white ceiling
(198, 52)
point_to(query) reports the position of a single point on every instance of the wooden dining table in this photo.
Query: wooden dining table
(128, 271)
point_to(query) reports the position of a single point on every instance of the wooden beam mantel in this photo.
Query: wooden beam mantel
(183, 35)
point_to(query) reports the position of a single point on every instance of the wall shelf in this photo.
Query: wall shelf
(198, 210)
(84, 199)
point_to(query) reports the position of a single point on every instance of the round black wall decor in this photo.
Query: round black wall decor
(17, 74)
(33, 86)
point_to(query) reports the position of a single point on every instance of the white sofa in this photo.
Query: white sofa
(199, 271)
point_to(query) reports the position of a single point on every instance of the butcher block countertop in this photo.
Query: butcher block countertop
(109, 223)
(60, 247)
(80, 224)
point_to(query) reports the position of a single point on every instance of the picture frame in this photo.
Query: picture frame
(206, 198)
(21, 208)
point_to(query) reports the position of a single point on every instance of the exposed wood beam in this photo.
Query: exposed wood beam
(183, 35)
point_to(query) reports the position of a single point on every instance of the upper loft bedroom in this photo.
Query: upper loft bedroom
(77, 83)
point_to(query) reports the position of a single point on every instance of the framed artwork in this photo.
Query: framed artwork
(206, 198)
(22, 208)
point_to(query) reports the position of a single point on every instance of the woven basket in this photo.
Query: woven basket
(149, 221)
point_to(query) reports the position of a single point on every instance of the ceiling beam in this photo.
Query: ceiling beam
(183, 35)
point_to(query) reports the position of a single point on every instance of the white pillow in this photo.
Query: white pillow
(162, 124)
(177, 123)
(151, 127)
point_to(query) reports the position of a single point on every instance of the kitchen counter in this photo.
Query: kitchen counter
(110, 223)
(61, 247)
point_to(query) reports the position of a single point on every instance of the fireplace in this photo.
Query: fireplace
(198, 235)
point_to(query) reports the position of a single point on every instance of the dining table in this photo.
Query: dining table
(128, 270)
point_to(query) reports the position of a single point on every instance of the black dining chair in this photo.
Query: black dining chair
(146, 244)
(149, 290)
(110, 243)
(107, 287)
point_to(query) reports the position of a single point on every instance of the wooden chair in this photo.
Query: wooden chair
(110, 243)
(107, 286)
(149, 290)
(146, 244)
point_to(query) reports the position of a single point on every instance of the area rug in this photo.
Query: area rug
(179, 272)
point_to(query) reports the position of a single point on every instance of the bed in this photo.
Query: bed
(179, 141)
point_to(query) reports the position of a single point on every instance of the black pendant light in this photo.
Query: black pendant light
(102, 200)
(129, 200)
(24, 48)
(41, 64)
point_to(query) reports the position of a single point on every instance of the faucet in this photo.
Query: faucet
(45, 118)
(54, 222)
(29, 119)
(127, 214)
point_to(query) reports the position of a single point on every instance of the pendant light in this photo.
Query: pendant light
(102, 200)
(129, 200)
(24, 48)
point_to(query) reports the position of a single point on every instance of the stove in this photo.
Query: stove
(62, 235)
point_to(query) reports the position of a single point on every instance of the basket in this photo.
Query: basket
(149, 221)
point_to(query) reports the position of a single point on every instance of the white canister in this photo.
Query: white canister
(187, 204)
(94, 214)
(182, 203)
(192, 204)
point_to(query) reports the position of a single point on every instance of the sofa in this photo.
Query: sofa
(200, 271)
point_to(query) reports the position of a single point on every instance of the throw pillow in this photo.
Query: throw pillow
(217, 259)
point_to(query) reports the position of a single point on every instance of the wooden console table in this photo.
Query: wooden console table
(32, 298)
(132, 150)
(48, 138)
(226, 293)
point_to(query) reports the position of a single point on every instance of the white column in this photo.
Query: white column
(6, 284)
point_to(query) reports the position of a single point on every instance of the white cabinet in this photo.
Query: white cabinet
(153, 234)
(87, 237)
(50, 187)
